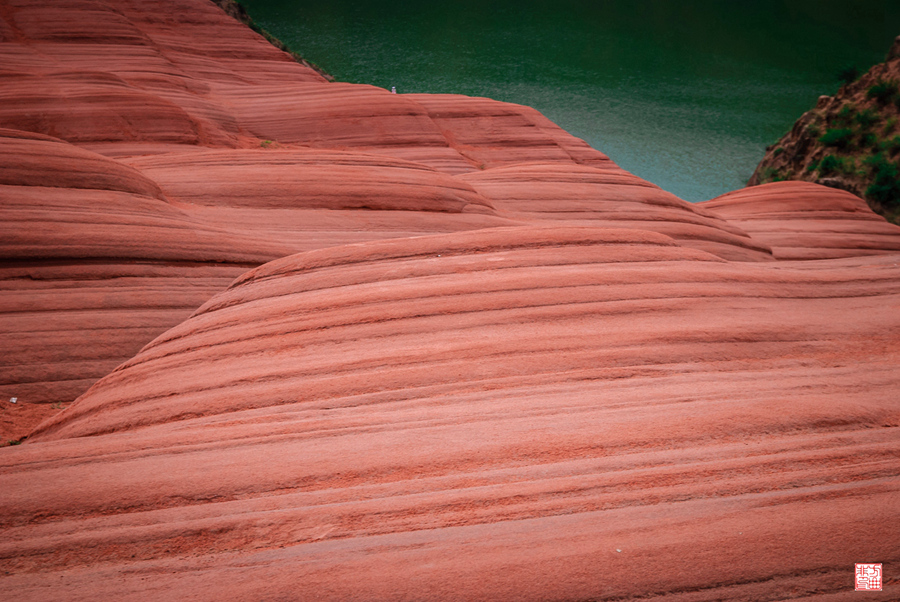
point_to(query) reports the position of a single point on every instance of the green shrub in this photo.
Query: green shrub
(883, 91)
(891, 146)
(813, 130)
(885, 186)
(867, 118)
(771, 174)
(838, 137)
(846, 114)
(830, 164)
(889, 125)
(848, 74)
(868, 140)
(812, 166)
(778, 151)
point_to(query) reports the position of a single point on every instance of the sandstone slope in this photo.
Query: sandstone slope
(336, 343)
(96, 262)
(237, 138)
(800, 220)
(522, 413)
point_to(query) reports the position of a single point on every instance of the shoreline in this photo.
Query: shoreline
(236, 10)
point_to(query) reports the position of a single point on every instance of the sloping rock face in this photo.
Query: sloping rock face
(95, 263)
(310, 198)
(509, 407)
(565, 193)
(335, 343)
(232, 136)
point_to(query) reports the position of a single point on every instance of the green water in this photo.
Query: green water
(686, 94)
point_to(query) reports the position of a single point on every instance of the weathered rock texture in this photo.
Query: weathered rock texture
(509, 407)
(95, 262)
(358, 345)
(256, 155)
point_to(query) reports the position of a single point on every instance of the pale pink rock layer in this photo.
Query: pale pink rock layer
(503, 367)
(287, 189)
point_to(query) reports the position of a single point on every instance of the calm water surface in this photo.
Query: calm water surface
(684, 93)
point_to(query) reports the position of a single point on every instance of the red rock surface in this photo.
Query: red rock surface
(309, 199)
(802, 220)
(609, 196)
(529, 375)
(96, 262)
(483, 415)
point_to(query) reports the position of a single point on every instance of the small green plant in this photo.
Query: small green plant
(885, 186)
(837, 137)
(846, 114)
(778, 151)
(830, 164)
(868, 140)
(867, 118)
(14, 442)
(891, 146)
(889, 125)
(771, 174)
(883, 91)
(848, 74)
(266, 143)
(812, 166)
(58, 406)
(813, 130)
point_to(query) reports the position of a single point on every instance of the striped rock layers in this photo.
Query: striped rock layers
(330, 342)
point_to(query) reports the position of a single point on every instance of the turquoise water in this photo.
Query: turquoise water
(686, 94)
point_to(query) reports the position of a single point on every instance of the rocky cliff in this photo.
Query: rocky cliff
(315, 340)
(849, 141)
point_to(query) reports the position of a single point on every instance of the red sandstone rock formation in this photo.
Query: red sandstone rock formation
(609, 196)
(801, 220)
(95, 263)
(553, 381)
(515, 413)
(157, 92)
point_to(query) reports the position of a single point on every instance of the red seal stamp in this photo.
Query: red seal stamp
(868, 577)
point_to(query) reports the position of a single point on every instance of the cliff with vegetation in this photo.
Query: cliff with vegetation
(850, 140)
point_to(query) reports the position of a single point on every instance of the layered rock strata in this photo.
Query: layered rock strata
(236, 138)
(512, 407)
(95, 262)
(336, 343)
(800, 220)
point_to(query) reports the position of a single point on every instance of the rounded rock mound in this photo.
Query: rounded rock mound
(802, 220)
(370, 303)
